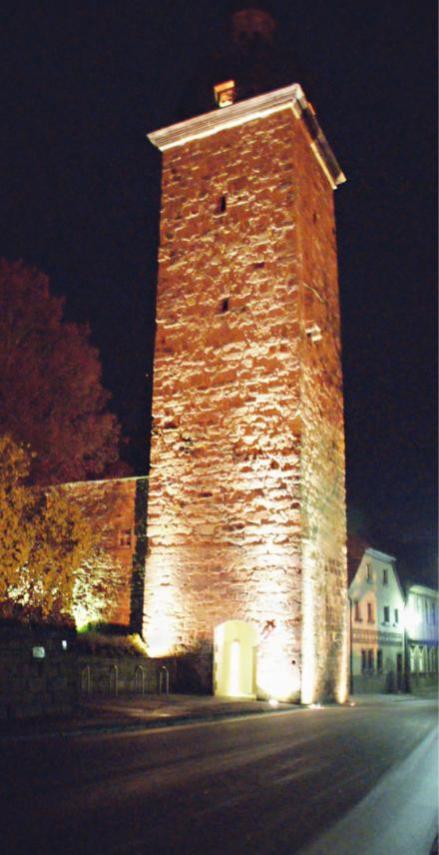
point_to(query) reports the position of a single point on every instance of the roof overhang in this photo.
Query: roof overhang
(288, 98)
(380, 556)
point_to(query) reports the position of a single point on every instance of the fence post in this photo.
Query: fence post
(86, 670)
(139, 669)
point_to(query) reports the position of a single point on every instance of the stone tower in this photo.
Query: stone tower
(246, 566)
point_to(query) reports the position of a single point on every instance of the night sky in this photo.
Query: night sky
(80, 199)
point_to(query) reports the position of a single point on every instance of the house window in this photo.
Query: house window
(363, 661)
(385, 577)
(369, 613)
(396, 616)
(225, 305)
(370, 660)
(369, 575)
(386, 614)
(357, 611)
(380, 661)
(125, 537)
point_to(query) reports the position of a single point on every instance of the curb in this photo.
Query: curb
(148, 724)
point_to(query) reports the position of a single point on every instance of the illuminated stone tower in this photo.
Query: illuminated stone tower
(246, 521)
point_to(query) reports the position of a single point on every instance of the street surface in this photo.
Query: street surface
(267, 784)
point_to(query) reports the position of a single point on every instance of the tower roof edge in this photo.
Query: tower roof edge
(289, 97)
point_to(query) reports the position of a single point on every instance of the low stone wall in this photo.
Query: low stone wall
(37, 676)
(42, 673)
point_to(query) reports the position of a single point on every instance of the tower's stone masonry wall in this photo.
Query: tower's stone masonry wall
(246, 494)
(323, 458)
(224, 513)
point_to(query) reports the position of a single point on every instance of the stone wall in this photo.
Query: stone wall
(44, 673)
(118, 509)
(31, 686)
(323, 499)
(246, 499)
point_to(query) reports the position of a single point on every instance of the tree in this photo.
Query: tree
(51, 394)
(47, 545)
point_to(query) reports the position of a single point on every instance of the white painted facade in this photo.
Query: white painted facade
(376, 625)
(421, 621)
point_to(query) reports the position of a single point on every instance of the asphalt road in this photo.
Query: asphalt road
(271, 784)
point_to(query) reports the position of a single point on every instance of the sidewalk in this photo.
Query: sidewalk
(135, 712)
(106, 715)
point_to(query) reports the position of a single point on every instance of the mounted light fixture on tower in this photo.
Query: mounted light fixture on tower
(225, 93)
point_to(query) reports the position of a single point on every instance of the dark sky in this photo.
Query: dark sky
(80, 198)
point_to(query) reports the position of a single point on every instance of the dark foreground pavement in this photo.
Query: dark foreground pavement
(334, 780)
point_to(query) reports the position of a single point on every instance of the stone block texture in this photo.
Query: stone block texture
(111, 504)
(246, 505)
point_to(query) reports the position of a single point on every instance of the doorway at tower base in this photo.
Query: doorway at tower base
(248, 666)
(234, 659)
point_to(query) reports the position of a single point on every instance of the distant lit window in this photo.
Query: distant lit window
(370, 618)
(386, 614)
(369, 574)
(125, 537)
(385, 577)
(379, 661)
(363, 660)
(370, 658)
(396, 616)
(357, 612)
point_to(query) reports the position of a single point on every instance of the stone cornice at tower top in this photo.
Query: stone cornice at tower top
(288, 98)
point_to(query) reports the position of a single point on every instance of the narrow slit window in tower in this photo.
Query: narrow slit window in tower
(222, 204)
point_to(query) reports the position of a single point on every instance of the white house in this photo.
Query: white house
(376, 625)
(421, 621)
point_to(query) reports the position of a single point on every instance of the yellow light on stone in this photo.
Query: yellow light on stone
(309, 667)
(162, 624)
(341, 689)
(277, 676)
